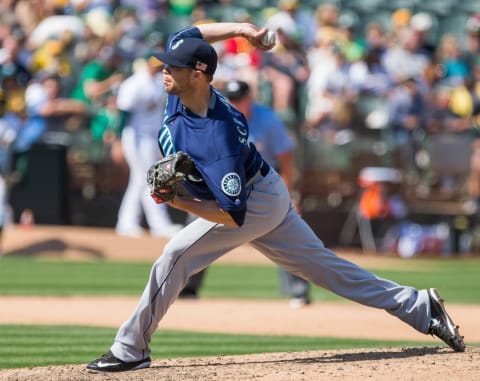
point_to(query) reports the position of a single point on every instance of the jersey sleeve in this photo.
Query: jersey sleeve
(226, 180)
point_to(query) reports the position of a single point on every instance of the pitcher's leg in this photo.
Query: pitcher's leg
(189, 251)
(296, 248)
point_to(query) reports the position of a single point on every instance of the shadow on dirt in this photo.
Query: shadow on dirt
(368, 356)
(53, 247)
(334, 358)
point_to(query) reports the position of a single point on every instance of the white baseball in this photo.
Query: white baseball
(269, 38)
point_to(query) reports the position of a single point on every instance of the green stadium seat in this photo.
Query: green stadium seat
(438, 7)
(470, 6)
(382, 17)
(454, 24)
(398, 4)
(363, 6)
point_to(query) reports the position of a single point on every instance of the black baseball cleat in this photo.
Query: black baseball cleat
(442, 325)
(109, 363)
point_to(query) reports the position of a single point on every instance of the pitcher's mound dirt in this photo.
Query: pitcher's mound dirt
(382, 364)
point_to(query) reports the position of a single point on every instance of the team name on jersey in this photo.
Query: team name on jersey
(239, 123)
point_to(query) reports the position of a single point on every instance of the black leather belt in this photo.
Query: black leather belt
(264, 169)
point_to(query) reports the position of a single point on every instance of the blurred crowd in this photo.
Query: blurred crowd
(338, 67)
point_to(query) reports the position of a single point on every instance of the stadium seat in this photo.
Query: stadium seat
(364, 6)
(382, 16)
(453, 24)
(455, 165)
(470, 6)
(393, 5)
(438, 7)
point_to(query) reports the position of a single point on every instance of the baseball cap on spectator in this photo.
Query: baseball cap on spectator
(421, 22)
(235, 89)
(99, 21)
(401, 17)
(288, 5)
(473, 24)
(195, 53)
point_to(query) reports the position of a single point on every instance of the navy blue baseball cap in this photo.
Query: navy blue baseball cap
(191, 52)
(235, 89)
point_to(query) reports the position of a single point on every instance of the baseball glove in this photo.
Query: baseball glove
(164, 176)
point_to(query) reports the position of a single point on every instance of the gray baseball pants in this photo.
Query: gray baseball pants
(274, 228)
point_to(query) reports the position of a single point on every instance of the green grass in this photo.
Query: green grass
(26, 346)
(457, 279)
(39, 277)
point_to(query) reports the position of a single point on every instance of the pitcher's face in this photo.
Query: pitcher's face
(177, 80)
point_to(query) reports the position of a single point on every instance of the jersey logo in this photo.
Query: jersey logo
(176, 44)
(231, 184)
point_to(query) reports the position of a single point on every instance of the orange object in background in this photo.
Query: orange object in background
(375, 198)
(373, 202)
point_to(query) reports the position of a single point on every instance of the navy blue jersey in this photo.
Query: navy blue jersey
(218, 145)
